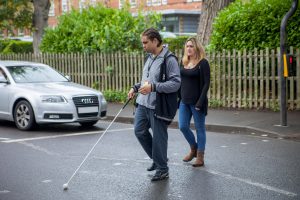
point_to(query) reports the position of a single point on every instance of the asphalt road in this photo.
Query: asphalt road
(35, 165)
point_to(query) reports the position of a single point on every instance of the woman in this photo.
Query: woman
(195, 80)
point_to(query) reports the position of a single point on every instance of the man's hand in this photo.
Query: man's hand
(145, 89)
(131, 93)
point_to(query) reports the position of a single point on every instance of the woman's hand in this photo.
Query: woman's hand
(198, 108)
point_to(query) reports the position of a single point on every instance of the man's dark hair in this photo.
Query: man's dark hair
(151, 34)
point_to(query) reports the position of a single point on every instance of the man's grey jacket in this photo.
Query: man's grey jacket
(151, 74)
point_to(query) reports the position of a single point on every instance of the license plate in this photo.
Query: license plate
(88, 109)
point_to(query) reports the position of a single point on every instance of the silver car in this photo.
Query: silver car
(34, 93)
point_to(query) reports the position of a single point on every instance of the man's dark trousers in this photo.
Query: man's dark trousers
(155, 146)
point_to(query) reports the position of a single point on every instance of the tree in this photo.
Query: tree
(39, 21)
(15, 14)
(31, 14)
(209, 11)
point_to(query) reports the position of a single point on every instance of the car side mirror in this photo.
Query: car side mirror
(68, 77)
(3, 80)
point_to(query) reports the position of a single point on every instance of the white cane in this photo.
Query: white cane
(65, 186)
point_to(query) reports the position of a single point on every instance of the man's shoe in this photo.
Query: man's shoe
(152, 167)
(160, 175)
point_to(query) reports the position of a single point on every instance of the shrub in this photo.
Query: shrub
(17, 47)
(115, 96)
(176, 43)
(97, 29)
(3, 44)
(254, 25)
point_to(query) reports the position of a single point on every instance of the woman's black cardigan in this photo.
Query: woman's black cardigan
(204, 74)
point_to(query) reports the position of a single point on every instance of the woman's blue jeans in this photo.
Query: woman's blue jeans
(186, 111)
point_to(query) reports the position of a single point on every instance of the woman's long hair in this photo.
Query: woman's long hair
(199, 50)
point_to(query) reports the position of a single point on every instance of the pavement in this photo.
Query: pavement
(255, 122)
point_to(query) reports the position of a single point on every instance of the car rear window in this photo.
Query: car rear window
(35, 74)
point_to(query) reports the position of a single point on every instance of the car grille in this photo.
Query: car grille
(86, 106)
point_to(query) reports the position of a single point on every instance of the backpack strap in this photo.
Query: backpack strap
(163, 68)
(146, 58)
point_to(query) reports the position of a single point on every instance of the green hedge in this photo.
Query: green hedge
(13, 46)
(255, 24)
(115, 96)
(175, 43)
(98, 29)
(3, 44)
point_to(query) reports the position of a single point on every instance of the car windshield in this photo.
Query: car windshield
(35, 74)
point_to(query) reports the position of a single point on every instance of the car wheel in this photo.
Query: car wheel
(88, 124)
(24, 116)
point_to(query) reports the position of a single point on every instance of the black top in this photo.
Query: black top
(195, 84)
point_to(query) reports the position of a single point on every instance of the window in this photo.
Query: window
(149, 2)
(35, 74)
(93, 2)
(156, 2)
(189, 1)
(20, 32)
(132, 3)
(82, 5)
(51, 10)
(64, 6)
(121, 3)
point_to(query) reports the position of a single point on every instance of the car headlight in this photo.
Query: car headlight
(53, 99)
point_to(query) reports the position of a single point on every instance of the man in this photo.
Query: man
(155, 145)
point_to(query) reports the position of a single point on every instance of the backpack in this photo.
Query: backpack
(166, 103)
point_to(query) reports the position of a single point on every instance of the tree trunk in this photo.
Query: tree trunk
(39, 22)
(209, 11)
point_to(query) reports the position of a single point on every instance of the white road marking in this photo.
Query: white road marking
(243, 143)
(113, 159)
(117, 164)
(3, 138)
(88, 172)
(250, 182)
(224, 146)
(4, 191)
(227, 176)
(41, 149)
(265, 135)
(47, 181)
(265, 140)
(63, 135)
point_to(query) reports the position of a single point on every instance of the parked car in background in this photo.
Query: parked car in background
(167, 34)
(35, 93)
(23, 38)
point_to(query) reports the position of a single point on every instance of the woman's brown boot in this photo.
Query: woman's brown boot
(191, 155)
(199, 160)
